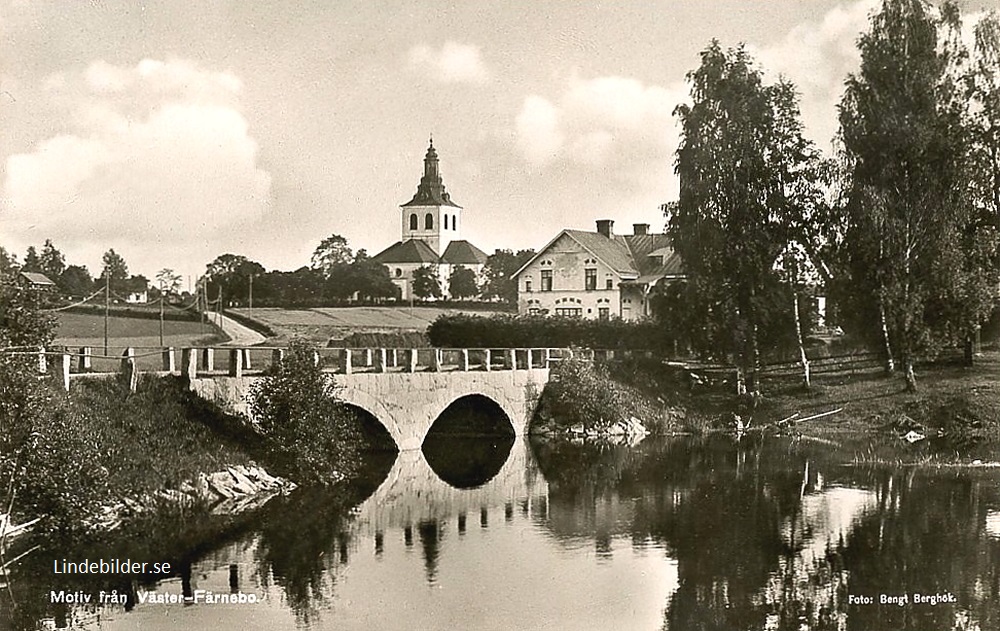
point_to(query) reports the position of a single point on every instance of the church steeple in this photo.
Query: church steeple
(431, 190)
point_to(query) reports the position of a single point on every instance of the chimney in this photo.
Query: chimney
(639, 229)
(604, 227)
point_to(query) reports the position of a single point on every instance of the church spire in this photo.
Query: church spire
(431, 190)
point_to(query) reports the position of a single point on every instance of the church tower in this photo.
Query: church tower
(431, 216)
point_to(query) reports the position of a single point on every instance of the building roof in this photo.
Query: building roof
(36, 278)
(431, 191)
(462, 252)
(409, 251)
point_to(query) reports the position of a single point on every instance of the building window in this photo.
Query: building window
(590, 279)
(527, 285)
(603, 313)
(609, 283)
(534, 311)
(429, 222)
(546, 280)
(413, 221)
(446, 222)
(569, 312)
(454, 222)
(399, 272)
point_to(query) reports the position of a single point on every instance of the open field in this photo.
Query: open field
(322, 324)
(77, 330)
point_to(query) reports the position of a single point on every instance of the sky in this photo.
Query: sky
(177, 131)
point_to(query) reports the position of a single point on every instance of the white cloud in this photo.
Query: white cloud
(156, 161)
(453, 63)
(616, 124)
(817, 56)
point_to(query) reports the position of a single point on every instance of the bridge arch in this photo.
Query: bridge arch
(473, 414)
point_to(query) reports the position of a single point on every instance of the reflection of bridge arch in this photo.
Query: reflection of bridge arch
(412, 493)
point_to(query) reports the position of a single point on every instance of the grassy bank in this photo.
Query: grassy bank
(955, 404)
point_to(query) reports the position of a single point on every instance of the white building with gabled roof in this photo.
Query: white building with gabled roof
(597, 274)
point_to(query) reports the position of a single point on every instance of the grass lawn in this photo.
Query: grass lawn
(322, 324)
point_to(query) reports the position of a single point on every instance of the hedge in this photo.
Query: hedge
(521, 331)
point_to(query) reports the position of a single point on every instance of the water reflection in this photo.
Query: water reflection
(689, 533)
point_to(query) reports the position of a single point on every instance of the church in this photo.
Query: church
(431, 231)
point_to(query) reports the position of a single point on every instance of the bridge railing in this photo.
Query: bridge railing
(213, 361)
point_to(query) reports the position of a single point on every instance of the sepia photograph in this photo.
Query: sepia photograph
(578, 315)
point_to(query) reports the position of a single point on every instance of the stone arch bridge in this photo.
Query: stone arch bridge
(404, 389)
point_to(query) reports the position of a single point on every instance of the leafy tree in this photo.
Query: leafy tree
(32, 262)
(311, 434)
(168, 281)
(332, 253)
(746, 173)
(76, 281)
(462, 283)
(52, 262)
(371, 280)
(499, 272)
(426, 283)
(901, 127)
(230, 274)
(115, 270)
(8, 263)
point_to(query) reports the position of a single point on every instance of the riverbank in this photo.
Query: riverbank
(956, 404)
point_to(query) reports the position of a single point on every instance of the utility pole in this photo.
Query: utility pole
(161, 314)
(251, 295)
(107, 307)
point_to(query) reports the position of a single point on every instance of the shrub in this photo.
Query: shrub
(311, 435)
(583, 394)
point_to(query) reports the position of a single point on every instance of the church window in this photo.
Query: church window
(413, 221)
(446, 222)
(399, 272)
(429, 222)
(454, 222)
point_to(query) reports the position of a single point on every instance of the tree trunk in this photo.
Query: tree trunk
(969, 355)
(803, 359)
(890, 365)
(911, 379)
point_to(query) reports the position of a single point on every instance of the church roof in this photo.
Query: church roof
(431, 191)
(463, 253)
(409, 251)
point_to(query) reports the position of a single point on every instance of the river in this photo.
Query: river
(672, 533)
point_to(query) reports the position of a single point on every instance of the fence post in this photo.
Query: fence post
(317, 360)
(235, 362)
(368, 357)
(547, 358)
(345, 360)
(169, 360)
(510, 359)
(529, 353)
(488, 360)
(380, 360)
(395, 358)
(189, 362)
(463, 360)
(208, 359)
(83, 365)
(277, 356)
(436, 362)
(246, 358)
(67, 361)
(131, 374)
(411, 360)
